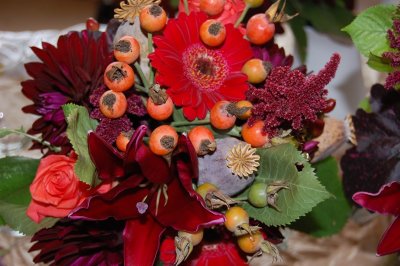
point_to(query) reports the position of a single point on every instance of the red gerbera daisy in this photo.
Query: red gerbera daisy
(198, 76)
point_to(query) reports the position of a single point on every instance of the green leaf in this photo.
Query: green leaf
(177, 115)
(305, 191)
(330, 216)
(79, 124)
(16, 175)
(297, 24)
(379, 64)
(368, 30)
(365, 105)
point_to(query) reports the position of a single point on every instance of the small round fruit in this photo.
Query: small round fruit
(152, 18)
(160, 112)
(123, 140)
(119, 76)
(246, 106)
(250, 243)
(195, 238)
(258, 195)
(113, 104)
(254, 3)
(330, 105)
(92, 24)
(202, 140)
(236, 216)
(127, 49)
(212, 7)
(220, 118)
(317, 127)
(206, 188)
(259, 30)
(212, 32)
(163, 140)
(256, 70)
(255, 135)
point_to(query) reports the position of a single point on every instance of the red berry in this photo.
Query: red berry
(259, 29)
(92, 24)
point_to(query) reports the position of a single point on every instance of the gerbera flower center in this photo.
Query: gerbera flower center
(206, 69)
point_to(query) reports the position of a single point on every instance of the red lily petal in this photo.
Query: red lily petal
(385, 201)
(107, 160)
(141, 241)
(118, 203)
(390, 241)
(190, 210)
(153, 167)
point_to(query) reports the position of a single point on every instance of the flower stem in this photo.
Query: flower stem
(41, 141)
(190, 123)
(142, 77)
(140, 88)
(186, 4)
(150, 50)
(240, 198)
(244, 12)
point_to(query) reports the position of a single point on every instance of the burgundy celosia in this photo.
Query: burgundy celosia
(393, 35)
(290, 98)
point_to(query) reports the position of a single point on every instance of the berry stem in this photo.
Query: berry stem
(186, 4)
(140, 88)
(240, 199)
(142, 77)
(244, 12)
(190, 123)
(150, 50)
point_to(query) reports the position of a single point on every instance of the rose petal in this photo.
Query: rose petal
(107, 160)
(390, 241)
(386, 201)
(141, 241)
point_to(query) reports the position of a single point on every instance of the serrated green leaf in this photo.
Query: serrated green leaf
(379, 64)
(320, 222)
(305, 191)
(368, 30)
(16, 175)
(79, 124)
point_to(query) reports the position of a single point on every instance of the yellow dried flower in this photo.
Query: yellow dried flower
(242, 160)
(132, 8)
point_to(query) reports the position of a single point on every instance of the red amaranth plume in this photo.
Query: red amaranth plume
(393, 35)
(290, 98)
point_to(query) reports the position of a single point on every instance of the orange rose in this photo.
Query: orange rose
(56, 189)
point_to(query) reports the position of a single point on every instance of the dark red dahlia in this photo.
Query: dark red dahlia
(274, 54)
(290, 98)
(77, 242)
(68, 73)
(198, 76)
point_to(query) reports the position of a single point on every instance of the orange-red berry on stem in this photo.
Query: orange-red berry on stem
(202, 140)
(212, 7)
(119, 76)
(255, 135)
(212, 32)
(123, 140)
(256, 70)
(152, 18)
(220, 118)
(113, 104)
(160, 112)
(163, 140)
(127, 49)
(259, 30)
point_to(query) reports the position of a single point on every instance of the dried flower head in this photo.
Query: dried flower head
(242, 160)
(289, 98)
(393, 35)
(132, 8)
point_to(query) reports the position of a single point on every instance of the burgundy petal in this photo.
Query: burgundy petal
(390, 241)
(386, 201)
(190, 210)
(107, 160)
(141, 241)
(119, 202)
(153, 167)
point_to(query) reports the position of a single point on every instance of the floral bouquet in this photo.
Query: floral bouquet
(180, 140)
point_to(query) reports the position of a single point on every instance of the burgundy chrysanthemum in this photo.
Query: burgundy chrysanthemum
(77, 242)
(274, 54)
(198, 76)
(289, 98)
(69, 72)
(393, 35)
